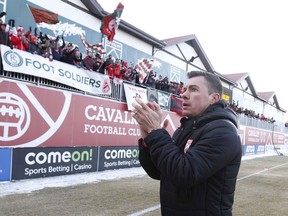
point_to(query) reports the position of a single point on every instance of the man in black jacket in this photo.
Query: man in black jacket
(197, 166)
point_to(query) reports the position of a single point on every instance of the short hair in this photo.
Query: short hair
(213, 82)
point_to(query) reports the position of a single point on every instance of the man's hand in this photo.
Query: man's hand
(148, 116)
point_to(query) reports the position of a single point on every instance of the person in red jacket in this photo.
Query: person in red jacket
(117, 68)
(19, 41)
(180, 88)
(110, 68)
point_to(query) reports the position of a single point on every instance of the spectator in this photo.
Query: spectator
(77, 59)
(109, 67)
(180, 88)
(109, 60)
(150, 81)
(128, 74)
(158, 82)
(57, 49)
(33, 45)
(165, 84)
(68, 54)
(4, 34)
(33, 42)
(173, 87)
(98, 66)
(124, 68)
(19, 41)
(272, 120)
(45, 47)
(117, 68)
(88, 61)
(104, 66)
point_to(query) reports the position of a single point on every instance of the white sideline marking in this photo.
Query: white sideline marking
(265, 170)
(144, 211)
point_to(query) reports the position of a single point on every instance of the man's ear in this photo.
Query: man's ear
(215, 97)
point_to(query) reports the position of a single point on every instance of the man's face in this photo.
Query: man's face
(196, 97)
(20, 33)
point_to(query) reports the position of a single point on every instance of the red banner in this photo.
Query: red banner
(32, 116)
(258, 136)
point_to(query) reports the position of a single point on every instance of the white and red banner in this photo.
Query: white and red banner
(24, 62)
(263, 137)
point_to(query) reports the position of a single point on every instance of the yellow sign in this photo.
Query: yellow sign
(226, 97)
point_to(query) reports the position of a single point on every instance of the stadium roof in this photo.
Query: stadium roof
(96, 9)
(265, 96)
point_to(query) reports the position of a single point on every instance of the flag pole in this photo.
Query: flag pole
(103, 42)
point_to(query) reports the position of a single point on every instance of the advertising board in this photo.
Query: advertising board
(43, 162)
(5, 164)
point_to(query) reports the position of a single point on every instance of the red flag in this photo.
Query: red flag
(111, 22)
(43, 16)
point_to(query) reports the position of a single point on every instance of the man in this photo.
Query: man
(198, 166)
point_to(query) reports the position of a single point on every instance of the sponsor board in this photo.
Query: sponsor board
(260, 149)
(44, 162)
(270, 149)
(263, 137)
(249, 149)
(118, 157)
(256, 136)
(65, 119)
(5, 164)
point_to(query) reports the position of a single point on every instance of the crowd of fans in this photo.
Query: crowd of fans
(250, 113)
(60, 50)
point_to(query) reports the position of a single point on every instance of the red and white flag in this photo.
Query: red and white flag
(111, 22)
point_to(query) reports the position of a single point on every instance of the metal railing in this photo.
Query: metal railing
(257, 123)
(117, 93)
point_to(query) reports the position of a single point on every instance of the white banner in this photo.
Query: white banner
(132, 92)
(24, 62)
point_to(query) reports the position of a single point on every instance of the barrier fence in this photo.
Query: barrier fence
(118, 94)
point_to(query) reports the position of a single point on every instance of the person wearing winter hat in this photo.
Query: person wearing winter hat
(19, 41)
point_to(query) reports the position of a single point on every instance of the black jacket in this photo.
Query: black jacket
(201, 179)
